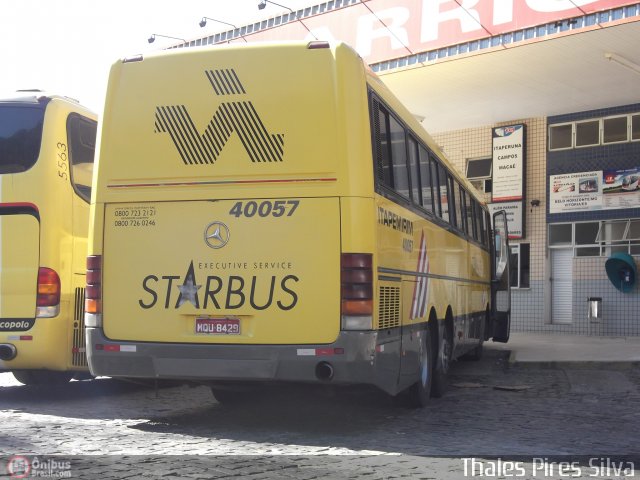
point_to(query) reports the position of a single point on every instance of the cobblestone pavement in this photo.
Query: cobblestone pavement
(489, 411)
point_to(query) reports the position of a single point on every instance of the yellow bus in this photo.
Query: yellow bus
(273, 213)
(47, 146)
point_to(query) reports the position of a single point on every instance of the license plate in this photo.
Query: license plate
(218, 326)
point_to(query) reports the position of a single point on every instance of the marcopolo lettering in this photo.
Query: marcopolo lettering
(16, 324)
(220, 292)
(239, 116)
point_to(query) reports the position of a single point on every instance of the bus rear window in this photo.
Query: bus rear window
(20, 137)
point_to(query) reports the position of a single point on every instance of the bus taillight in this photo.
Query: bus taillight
(93, 293)
(48, 299)
(356, 291)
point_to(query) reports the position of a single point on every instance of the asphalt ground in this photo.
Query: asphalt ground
(498, 419)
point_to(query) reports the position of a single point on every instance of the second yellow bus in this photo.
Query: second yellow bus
(47, 146)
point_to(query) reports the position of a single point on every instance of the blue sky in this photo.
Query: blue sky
(67, 46)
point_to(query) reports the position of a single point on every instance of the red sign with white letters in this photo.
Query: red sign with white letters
(413, 26)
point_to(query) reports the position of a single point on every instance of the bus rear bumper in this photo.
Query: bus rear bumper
(351, 359)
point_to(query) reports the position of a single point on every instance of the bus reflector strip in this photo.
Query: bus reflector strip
(116, 348)
(319, 352)
(20, 337)
(222, 182)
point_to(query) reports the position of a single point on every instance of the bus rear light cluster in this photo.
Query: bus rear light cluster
(48, 298)
(93, 293)
(356, 291)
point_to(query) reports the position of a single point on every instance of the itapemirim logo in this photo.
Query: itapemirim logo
(239, 116)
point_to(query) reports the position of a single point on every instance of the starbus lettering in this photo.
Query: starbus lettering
(229, 292)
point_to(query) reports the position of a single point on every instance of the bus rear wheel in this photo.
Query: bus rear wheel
(42, 378)
(442, 364)
(420, 392)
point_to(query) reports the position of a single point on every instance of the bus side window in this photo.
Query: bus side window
(81, 133)
(382, 147)
(458, 204)
(487, 227)
(436, 187)
(470, 221)
(416, 190)
(425, 180)
(463, 196)
(478, 219)
(399, 158)
(444, 191)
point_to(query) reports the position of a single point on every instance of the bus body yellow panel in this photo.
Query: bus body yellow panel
(225, 125)
(19, 260)
(256, 261)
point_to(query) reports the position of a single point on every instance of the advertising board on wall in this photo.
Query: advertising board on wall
(575, 192)
(508, 163)
(508, 175)
(596, 190)
(514, 217)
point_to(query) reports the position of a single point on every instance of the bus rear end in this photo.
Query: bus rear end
(43, 230)
(219, 230)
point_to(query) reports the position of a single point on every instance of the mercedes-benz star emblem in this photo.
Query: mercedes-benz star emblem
(216, 235)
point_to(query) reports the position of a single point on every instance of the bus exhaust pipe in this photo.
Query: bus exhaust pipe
(8, 351)
(324, 371)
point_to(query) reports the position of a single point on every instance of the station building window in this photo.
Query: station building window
(479, 173)
(597, 239)
(561, 136)
(587, 133)
(615, 130)
(520, 260)
(635, 127)
(594, 132)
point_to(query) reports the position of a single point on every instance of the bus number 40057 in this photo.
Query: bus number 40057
(264, 209)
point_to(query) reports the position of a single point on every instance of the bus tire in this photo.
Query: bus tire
(443, 357)
(42, 378)
(419, 393)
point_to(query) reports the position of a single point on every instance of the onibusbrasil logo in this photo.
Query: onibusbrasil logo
(20, 466)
